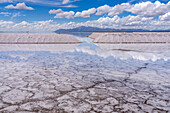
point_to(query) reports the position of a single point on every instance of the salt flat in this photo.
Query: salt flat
(134, 37)
(38, 47)
(82, 79)
(135, 47)
(37, 39)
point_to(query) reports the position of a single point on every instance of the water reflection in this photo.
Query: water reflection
(78, 34)
(141, 52)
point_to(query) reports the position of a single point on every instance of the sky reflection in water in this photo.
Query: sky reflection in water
(145, 52)
(86, 54)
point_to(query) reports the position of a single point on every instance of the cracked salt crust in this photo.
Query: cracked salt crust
(80, 82)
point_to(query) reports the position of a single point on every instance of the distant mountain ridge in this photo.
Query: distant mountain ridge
(96, 29)
(83, 31)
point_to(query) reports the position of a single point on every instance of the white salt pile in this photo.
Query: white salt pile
(136, 47)
(134, 37)
(38, 47)
(37, 39)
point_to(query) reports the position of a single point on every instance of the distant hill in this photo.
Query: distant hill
(86, 31)
(95, 29)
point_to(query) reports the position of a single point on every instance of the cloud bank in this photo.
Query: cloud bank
(146, 9)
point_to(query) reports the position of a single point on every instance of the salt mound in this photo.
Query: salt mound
(54, 48)
(136, 37)
(135, 47)
(37, 39)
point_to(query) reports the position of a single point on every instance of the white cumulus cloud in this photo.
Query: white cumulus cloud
(118, 9)
(5, 25)
(147, 9)
(103, 9)
(65, 1)
(56, 11)
(67, 15)
(62, 14)
(19, 6)
(165, 17)
(85, 13)
(150, 9)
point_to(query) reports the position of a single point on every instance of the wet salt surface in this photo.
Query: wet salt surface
(85, 78)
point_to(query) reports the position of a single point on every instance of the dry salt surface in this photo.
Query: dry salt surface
(38, 47)
(135, 47)
(83, 79)
(37, 39)
(134, 37)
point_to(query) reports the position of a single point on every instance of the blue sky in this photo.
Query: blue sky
(49, 15)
